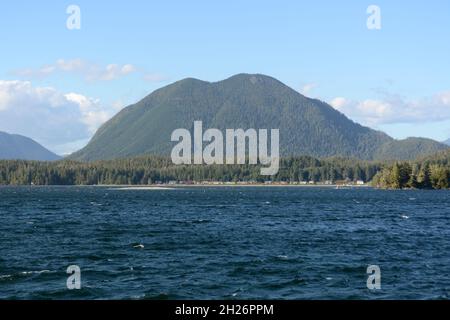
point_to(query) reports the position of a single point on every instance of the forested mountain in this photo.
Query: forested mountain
(13, 146)
(307, 126)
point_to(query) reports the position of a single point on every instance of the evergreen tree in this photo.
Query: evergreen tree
(412, 183)
(395, 178)
(423, 178)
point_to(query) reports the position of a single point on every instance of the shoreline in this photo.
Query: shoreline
(177, 186)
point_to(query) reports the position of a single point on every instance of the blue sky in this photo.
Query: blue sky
(395, 79)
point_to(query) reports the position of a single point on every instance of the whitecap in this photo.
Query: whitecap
(142, 188)
(35, 272)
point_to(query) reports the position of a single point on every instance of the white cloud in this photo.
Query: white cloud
(89, 71)
(308, 88)
(393, 109)
(127, 69)
(70, 65)
(113, 71)
(92, 113)
(339, 103)
(55, 119)
(61, 65)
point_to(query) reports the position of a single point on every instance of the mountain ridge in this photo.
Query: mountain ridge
(18, 147)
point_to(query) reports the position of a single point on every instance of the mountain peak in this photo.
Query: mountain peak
(191, 80)
(252, 78)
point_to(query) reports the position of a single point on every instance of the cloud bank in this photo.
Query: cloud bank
(395, 109)
(60, 121)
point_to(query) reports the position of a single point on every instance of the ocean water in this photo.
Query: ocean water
(223, 243)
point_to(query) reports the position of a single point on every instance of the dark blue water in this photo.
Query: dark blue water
(230, 243)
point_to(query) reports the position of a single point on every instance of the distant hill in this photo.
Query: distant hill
(441, 157)
(447, 142)
(13, 146)
(408, 149)
(307, 126)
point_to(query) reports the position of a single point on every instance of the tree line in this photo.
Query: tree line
(154, 169)
(427, 173)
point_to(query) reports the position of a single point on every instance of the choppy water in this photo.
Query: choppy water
(223, 243)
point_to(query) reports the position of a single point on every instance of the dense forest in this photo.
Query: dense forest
(426, 173)
(151, 170)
